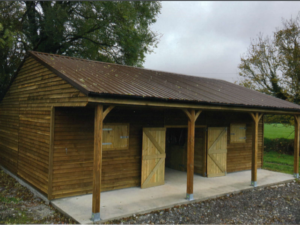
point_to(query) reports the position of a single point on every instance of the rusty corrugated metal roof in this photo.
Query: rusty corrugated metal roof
(99, 78)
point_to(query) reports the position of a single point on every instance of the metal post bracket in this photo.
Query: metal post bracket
(95, 217)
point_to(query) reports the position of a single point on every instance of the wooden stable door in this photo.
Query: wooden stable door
(216, 151)
(153, 157)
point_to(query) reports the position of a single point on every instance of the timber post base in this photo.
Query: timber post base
(296, 175)
(95, 217)
(254, 183)
(190, 197)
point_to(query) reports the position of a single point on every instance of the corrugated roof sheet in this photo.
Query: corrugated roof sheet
(96, 78)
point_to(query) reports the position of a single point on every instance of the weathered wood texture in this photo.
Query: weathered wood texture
(73, 151)
(190, 151)
(51, 149)
(97, 165)
(73, 169)
(256, 119)
(216, 151)
(238, 154)
(238, 133)
(153, 157)
(122, 168)
(25, 121)
(115, 136)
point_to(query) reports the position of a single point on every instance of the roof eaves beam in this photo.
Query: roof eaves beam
(185, 105)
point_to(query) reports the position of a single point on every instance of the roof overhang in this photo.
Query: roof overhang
(169, 103)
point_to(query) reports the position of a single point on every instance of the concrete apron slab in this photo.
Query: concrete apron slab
(126, 202)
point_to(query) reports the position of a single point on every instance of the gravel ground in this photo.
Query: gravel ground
(279, 204)
(19, 206)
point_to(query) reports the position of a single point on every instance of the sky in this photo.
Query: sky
(207, 39)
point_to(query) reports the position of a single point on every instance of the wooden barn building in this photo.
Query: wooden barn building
(70, 127)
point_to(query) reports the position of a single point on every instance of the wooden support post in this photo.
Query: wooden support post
(192, 117)
(51, 149)
(256, 117)
(98, 132)
(296, 147)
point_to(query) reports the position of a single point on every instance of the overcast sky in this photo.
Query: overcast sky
(208, 38)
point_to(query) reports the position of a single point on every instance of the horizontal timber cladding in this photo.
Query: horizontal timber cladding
(73, 150)
(239, 154)
(25, 120)
(74, 140)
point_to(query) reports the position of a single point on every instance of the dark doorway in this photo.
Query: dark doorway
(176, 150)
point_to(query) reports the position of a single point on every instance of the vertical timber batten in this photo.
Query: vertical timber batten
(296, 147)
(98, 133)
(192, 117)
(51, 149)
(256, 118)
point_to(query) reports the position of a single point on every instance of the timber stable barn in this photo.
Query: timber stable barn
(71, 127)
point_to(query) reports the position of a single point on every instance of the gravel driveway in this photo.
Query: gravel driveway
(275, 204)
(278, 204)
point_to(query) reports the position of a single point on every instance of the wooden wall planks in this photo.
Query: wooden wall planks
(239, 154)
(72, 171)
(25, 135)
(25, 121)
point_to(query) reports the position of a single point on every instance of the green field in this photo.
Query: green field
(274, 160)
(278, 162)
(274, 130)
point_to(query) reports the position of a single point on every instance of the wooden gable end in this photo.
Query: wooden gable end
(25, 120)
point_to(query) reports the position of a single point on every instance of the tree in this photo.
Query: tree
(11, 54)
(109, 31)
(272, 65)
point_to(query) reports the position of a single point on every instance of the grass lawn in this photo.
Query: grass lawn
(278, 162)
(273, 160)
(274, 130)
